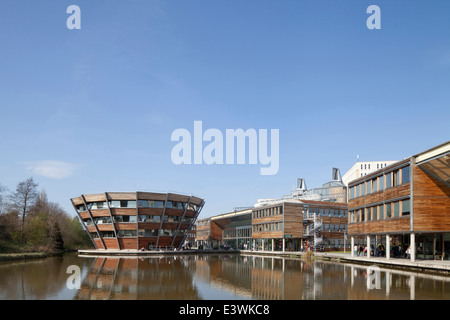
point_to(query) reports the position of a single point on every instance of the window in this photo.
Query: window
(363, 189)
(388, 210)
(357, 191)
(381, 211)
(352, 192)
(122, 204)
(125, 219)
(369, 186)
(381, 183)
(374, 213)
(97, 205)
(126, 233)
(369, 214)
(374, 185)
(81, 208)
(396, 209)
(405, 174)
(405, 207)
(388, 180)
(175, 205)
(395, 177)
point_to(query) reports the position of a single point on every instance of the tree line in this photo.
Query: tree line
(30, 222)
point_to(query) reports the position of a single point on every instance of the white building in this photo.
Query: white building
(362, 168)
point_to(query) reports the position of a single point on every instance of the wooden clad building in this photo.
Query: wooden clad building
(136, 220)
(293, 225)
(405, 205)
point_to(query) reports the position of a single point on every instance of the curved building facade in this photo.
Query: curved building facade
(136, 220)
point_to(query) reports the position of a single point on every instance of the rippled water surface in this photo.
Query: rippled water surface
(218, 277)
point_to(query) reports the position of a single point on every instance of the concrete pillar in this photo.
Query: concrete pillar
(352, 250)
(284, 243)
(262, 244)
(413, 247)
(388, 247)
(273, 245)
(368, 246)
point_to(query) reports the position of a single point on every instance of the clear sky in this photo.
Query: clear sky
(92, 110)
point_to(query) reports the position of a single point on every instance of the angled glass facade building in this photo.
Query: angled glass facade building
(138, 220)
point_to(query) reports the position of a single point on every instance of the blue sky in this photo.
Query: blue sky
(92, 110)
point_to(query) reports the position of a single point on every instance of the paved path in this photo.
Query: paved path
(395, 262)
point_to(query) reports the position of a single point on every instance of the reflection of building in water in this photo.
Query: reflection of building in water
(156, 278)
(230, 273)
(271, 281)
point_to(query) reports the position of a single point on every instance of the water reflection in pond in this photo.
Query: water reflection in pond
(218, 277)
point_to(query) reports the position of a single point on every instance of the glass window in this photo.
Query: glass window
(125, 219)
(381, 212)
(126, 233)
(352, 192)
(396, 209)
(369, 185)
(369, 214)
(363, 189)
(81, 208)
(405, 207)
(405, 174)
(374, 185)
(175, 205)
(357, 191)
(388, 180)
(374, 213)
(395, 177)
(388, 210)
(114, 204)
(381, 183)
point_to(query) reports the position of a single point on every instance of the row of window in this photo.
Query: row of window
(271, 226)
(328, 227)
(134, 219)
(320, 212)
(142, 233)
(367, 166)
(268, 212)
(385, 181)
(132, 204)
(237, 233)
(380, 212)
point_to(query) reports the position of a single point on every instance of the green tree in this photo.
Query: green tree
(56, 243)
(38, 230)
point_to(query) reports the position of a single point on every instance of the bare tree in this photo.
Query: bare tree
(24, 197)
(2, 204)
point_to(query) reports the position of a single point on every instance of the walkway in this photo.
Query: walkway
(429, 265)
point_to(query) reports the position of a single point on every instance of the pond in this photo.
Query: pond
(211, 277)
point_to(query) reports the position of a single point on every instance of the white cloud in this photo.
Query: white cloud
(52, 169)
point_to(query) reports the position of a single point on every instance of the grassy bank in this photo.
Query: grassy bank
(22, 256)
